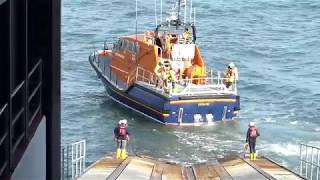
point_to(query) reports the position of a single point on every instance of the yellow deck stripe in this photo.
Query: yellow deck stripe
(191, 101)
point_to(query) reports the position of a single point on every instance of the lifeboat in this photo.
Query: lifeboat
(162, 75)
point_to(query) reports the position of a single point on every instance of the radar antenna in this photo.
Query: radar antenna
(179, 3)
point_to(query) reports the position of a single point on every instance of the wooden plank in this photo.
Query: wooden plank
(108, 162)
(203, 172)
(172, 171)
(137, 169)
(147, 168)
(221, 171)
(261, 171)
(96, 174)
(101, 169)
(275, 170)
(117, 172)
(188, 173)
(240, 170)
(157, 172)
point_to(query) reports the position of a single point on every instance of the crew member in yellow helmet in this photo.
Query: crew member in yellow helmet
(159, 71)
(171, 76)
(186, 35)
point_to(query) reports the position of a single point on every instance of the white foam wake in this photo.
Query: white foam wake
(285, 149)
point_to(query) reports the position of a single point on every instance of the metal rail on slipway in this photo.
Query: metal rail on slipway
(310, 162)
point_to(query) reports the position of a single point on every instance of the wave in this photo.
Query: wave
(283, 149)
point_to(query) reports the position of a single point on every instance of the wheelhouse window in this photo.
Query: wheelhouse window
(117, 46)
(135, 48)
(131, 47)
(124, 45)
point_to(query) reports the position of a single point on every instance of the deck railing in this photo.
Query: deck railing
(309, 162)
(108, 72)
(212, 84)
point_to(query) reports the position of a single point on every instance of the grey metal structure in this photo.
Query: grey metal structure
(73, 160)
(30, 81)
(310, 162)
(78, 158)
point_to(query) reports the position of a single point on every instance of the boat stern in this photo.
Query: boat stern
(202, 111)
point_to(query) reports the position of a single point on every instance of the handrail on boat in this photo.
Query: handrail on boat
(212, 83)
(192, 86)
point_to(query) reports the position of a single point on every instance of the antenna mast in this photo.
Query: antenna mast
(179, 2)
(161, 10)
(155, 12)
(194, 16)
(190, 11)
(185, 11)
(136, 58)
(136, 20)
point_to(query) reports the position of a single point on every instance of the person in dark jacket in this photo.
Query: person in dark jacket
(252, 135)
(121, 136)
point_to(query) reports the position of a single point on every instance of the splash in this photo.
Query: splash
(285, 149)
(294, 122)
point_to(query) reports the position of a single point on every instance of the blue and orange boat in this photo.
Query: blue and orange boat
(161, 74)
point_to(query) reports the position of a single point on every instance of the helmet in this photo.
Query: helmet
(122, 121)
(232, 65)
(251, 124)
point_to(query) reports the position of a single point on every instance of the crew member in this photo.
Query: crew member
(159, 71)
(171, 77)
(252, 135)
(186, 35)
(121, 136)
(231, 75)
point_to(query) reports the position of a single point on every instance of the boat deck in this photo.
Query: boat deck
(146, 168)
(192, 90)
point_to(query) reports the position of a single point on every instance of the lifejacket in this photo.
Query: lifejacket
(159, 70)
(171, 75)
(186, 35)
(168, 45)
(253, 132)
(122, 131)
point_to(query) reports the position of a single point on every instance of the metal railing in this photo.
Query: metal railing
(73, 160)
(108, 72)
(212, 84)
(309, 162)
(146, 76)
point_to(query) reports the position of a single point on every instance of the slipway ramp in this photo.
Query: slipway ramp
(147, 168)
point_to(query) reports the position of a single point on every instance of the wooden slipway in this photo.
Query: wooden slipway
(145, 168)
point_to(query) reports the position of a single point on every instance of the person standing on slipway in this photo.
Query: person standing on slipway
(252, 135)
(121, 136)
